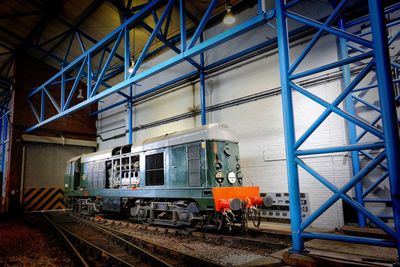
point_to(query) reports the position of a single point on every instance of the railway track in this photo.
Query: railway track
(252, 238)
(106, 246)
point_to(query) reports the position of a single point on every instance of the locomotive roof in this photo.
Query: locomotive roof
(97, 155)
(214, 131)
(74, 158)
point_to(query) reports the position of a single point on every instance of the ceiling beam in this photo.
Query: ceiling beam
(21, 14)
(94, 5)
(24, 44)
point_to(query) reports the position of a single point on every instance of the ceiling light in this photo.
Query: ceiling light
(130, 70)
(80, 95)
(229, 18)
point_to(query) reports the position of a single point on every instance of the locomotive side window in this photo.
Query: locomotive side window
(155, 169)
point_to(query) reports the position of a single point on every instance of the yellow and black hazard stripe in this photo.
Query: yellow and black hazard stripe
(36, 199)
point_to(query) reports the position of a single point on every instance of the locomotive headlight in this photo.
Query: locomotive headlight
(240, 177)
(219, 176)
(232, 177)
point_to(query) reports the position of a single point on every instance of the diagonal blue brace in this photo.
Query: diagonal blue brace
(202, 25)
(107, 64)
(75, 85)
(152, 37)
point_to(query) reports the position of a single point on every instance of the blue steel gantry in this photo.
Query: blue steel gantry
(372, 54)
(81, 69)
(373, 50)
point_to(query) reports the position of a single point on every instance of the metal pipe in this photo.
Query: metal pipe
(182, 21)
(351, 127)
(388, 108)
(288, 122)
(353, 148)
(350, 239)
(130, 117)
(58, 140)
(203, 98)
(202, 88)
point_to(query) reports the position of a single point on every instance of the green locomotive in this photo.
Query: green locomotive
(190, 178)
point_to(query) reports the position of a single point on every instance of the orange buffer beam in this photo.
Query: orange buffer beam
(232, 197)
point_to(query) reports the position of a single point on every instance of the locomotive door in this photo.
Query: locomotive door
(194, 165)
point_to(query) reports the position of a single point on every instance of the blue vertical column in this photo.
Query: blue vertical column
(202, 89)
(352, 132)
(260, 4)
(203, 98)
(388, 108)
(130, 116)
(62, 93)
(182, 21)
(2, 152)
(89, 76)
(127, 62)
(288, 122)
(3, 141)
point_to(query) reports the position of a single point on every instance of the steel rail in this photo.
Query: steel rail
(151, 258)
(271, 239)
(154, 258)
(74, 249)
(185, 258)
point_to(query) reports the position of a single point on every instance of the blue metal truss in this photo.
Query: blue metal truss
(375, 52)
(81, 68)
